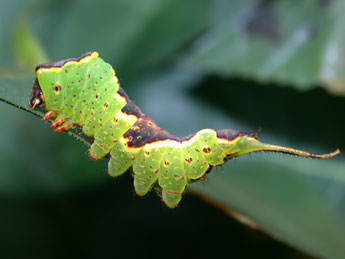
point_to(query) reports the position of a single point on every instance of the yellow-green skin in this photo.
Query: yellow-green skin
(86, 92)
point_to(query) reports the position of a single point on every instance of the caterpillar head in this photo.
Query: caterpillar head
(36, 98)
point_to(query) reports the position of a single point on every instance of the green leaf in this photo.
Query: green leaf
(274, 193)
(27, 48)
(131, 34)
(278, 41)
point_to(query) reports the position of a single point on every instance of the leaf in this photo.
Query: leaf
(277, 41)
(281, 201)
(27, 48)
(131, 34)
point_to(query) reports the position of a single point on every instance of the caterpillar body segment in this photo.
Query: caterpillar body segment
(85, 92)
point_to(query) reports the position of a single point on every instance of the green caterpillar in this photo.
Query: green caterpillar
(85, 92)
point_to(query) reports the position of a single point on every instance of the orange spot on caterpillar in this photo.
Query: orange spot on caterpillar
(176, 175)
(197, 150)
(141, 180)
(117, 165)
(172, 192)
(92, 158)
(206, 150)
(157, 171)
(166, 163)
(147, 152)
(189, 160)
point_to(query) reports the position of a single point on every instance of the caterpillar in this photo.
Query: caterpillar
(85, 92)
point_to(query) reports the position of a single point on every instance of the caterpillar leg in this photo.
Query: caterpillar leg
(147, 167)
(172, 177)
(65, 126)
(48, 115)
(109, 134)
(122, 158)
(57, 122)
(195, 163)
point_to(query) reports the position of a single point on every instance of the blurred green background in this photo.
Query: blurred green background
(277, 67)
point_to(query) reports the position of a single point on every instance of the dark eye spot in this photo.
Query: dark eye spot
(57, 88)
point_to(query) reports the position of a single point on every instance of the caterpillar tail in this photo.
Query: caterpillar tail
(246, 145)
